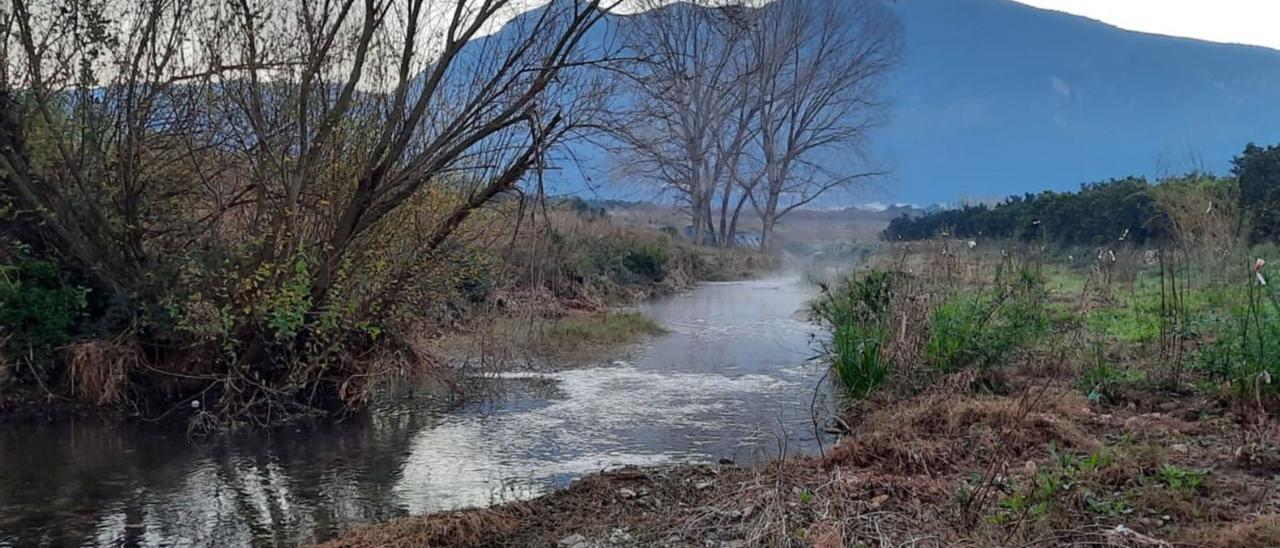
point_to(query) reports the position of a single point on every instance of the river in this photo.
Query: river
(731, 379)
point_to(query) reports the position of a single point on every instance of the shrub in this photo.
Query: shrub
(981, 331)
(39, 308)
(856, 313)
(1247, 354)
(645, 261)
(962, 334)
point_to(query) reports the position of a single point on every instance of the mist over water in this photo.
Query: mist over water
(731, 379)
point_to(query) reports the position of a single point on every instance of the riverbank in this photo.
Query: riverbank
(725, 379)
(889, 486)
(1069, 417)
(549, 289)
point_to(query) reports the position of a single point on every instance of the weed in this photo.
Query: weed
(856, 313)
(981, 331)
(1104, 382)
(1181, 480)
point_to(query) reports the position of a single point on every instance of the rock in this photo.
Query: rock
(1125, 536)
(619, 536)
(626, 493)
(573, 541)
(879, 500)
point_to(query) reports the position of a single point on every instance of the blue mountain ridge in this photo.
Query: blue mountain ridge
(995, 98)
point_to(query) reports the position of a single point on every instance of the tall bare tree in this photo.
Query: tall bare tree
(819, 67)
(769, 104)
(686, 118)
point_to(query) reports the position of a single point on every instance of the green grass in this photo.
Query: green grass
(856, 312)
(1125, 324)
(982, 331)
(1104, 382)
(1063, 280)
(600, 330)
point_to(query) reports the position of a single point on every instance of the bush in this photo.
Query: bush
(982, 331)
(856, 313)
(962, 335)
(1247, 354)
(40, 310)
(645, 261)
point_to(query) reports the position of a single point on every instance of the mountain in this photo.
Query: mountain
(996, 98)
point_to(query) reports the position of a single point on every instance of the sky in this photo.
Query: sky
(1253, 22)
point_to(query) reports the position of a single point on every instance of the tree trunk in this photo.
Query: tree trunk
(732, 234)
(768, 219)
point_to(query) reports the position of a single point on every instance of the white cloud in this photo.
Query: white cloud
(1230, 21)
(1059, 86)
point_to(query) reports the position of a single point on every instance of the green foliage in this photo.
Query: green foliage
(859, 359)
(1179, 479)
(39, 308)
(1097, 213)
(1049, 489)
(1258, 170)
(1246, 352)
(982, 330)
(1129, 323)
(623, 261)
(857, 312)
(1104, 382)
(646, 262)
(960, 335)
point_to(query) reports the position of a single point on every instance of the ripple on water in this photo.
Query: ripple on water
(606, 417)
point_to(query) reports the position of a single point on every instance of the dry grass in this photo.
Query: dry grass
(98, 370)
(468, 528)
(938, 433)
(1259, 532)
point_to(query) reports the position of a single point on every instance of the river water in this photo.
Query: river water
(731, 379)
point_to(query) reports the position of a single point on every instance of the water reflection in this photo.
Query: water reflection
(728, 381)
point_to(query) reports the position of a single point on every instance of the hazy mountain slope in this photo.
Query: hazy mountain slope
(996, 97)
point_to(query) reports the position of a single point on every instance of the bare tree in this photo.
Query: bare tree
(687, 118)
(767, 105)
(819, 66)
